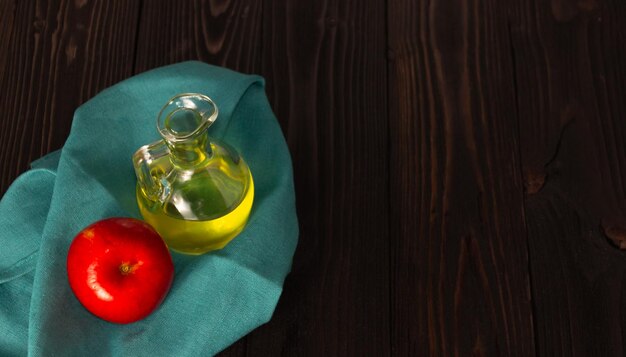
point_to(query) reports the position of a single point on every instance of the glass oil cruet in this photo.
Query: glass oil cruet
(195, 191)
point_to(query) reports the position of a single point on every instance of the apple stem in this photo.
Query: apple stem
(124, 269)
(127, 268)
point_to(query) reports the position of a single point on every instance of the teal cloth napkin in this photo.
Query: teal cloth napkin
(216, 298)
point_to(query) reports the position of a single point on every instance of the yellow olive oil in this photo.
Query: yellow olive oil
(204, 205)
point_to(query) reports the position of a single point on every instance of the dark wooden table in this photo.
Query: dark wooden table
(460, 165)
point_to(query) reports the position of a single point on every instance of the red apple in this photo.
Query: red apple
(120, 269)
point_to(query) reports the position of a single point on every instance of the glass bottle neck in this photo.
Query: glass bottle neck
(191, 152)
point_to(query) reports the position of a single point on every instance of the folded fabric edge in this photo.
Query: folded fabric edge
(48, 162)
(23, 266)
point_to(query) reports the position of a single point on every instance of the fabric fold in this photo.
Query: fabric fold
(216, 298)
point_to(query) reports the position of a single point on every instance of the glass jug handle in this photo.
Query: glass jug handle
(152, 181)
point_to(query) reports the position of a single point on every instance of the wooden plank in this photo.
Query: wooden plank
(569, 59)
(459, 279)
(325, 68)
(326, 72)
(224, 33)
(7, 17)
(55, 56)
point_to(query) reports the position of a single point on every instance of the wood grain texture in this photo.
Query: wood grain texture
(326, 72)
(460, 283)
(221, 32)
(55, 56)
(570, 73)
(7, 22)
(460, 166)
